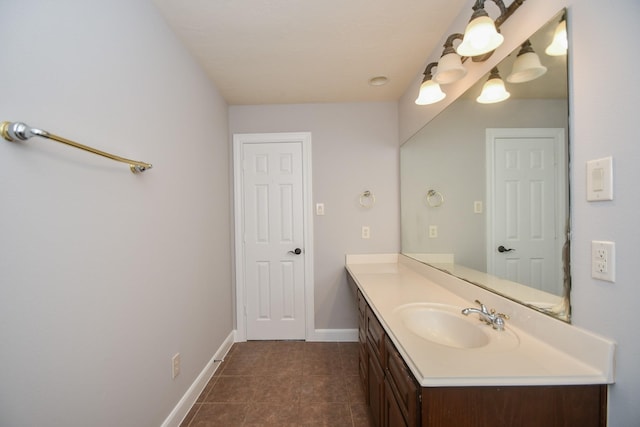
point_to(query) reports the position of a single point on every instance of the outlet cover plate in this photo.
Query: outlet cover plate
(603, 260)
(600, 179)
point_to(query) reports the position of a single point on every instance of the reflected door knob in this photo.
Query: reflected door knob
(503, 249)
(296, 251)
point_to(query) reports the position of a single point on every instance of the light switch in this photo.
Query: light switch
(319, 208)
(600, 179)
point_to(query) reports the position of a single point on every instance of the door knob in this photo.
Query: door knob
(503, 249)
(296, 251)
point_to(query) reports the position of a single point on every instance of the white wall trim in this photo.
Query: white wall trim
(331, 335)
(181, 410)
(305, 139)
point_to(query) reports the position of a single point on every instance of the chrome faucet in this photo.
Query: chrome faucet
(496, 320)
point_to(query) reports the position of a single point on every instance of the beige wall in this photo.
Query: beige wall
(354, 148)
(105, 275)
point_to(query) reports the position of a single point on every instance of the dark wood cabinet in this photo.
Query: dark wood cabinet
(375, 388)
(392, 412)
(362, 339)
(403, 385)
(396, 399)
(523, 406)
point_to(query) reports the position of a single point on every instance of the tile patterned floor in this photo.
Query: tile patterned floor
(286, 384)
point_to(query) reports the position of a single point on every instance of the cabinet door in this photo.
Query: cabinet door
(403, 385)
(362, 338)
(375, 335)
(375, 388)
(392, 413)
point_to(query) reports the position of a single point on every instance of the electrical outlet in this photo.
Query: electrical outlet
(175, 365)
(433, 231)
(603, 265)
(366, 232)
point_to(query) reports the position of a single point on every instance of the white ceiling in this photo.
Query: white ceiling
(302, 51)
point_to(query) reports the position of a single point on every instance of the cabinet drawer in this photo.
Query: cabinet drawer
(375, 334)
(402, 384)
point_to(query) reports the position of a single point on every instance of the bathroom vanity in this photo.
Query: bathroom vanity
(423, 363)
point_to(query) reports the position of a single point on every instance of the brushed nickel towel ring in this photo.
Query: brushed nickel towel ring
(367, 199)
(434, 198)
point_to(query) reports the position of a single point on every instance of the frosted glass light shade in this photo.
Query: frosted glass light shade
(526, 67)
(560, 42)
(450, 69)
(480, 37)
(493, 91)
(430, 93)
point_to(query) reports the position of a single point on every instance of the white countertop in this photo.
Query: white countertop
(547, 351)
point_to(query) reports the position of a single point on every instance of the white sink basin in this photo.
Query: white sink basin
(446, 325)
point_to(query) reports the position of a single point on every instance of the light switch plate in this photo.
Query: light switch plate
(600, 179)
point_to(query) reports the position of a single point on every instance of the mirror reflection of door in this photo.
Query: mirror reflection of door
(525, 170)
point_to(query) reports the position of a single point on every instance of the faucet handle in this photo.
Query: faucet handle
(498, 320)
(482, 307)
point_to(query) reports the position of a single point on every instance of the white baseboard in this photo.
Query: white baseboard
(184, 405)
(342, 335)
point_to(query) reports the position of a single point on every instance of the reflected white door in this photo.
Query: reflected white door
(273, 240)
(525, 226)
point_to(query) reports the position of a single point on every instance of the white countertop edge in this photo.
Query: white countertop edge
(585, 346)
(510, 381)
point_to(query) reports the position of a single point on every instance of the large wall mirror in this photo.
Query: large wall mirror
(484, 187)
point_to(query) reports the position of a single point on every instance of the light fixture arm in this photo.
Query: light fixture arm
(525, 48)
(507, 12)
(478, 8)
(448, 44)
(494, 74)
(427, 71)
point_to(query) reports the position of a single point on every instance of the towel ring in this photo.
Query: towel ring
(367, 199)
(434, 198)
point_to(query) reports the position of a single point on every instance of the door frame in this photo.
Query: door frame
(239, 139)
(561, 173)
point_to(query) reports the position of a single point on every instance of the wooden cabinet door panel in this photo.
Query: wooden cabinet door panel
(402, 384)
(375, 387)
(522, 406)
(393, 416)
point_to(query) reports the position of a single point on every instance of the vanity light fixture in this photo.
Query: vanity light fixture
(560, 43)
(480, 39)
(493, 90)
(481, 35)
(430, 91)
(527, 65)
(450, 68)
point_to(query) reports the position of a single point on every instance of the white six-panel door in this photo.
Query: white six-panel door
(526, 214)
(272, 264)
